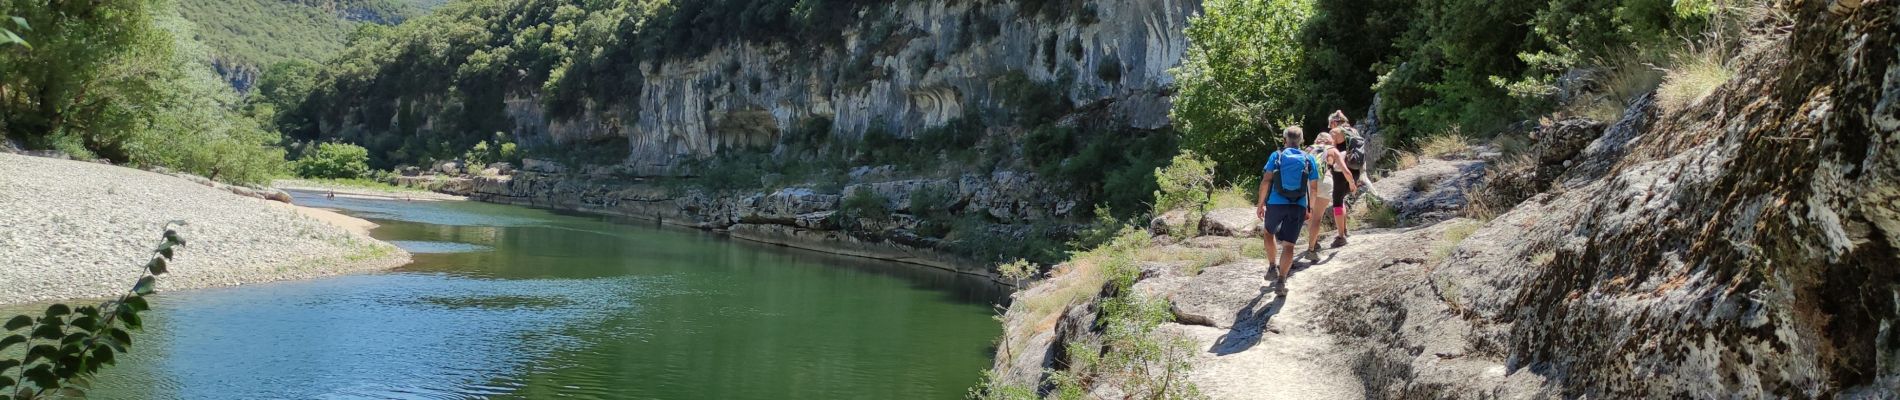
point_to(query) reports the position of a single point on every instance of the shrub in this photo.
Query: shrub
(1187, 182)
(1035, 103)
(334, 161)
(865, 205)
(1018, 270)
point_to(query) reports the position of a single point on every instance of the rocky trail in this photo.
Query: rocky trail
(1253, 344)
(1271, 347)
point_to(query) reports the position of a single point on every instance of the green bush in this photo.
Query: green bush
(1034, 103)
(334, 161)
(865, 205)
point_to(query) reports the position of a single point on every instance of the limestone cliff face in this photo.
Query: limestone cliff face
(920, 64)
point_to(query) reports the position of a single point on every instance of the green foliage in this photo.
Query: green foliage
(247, 35)
(482, 153)
(8, 37)
(1481, 65)
(1018, 270)
(1112, 166)
(334, 161)
(1186, 183)
(1034, 103)
(121, 80)
(865, 205)
(979, 240)
(1345, 41)
(1130, 354)
(1237, 76)
(63, 348)
(455, 66)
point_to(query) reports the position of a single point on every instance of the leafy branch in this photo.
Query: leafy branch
(65, 346)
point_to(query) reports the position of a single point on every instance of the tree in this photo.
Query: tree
(1237, 78)
(334, 161)
(84, 62)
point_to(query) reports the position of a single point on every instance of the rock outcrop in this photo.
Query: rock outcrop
(793, 216)
(912, 66)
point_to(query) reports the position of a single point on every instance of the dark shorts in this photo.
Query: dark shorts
(1340, 188)
(1284, 221)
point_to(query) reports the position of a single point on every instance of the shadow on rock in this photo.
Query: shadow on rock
(1250, 324)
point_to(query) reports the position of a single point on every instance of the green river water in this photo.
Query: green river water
(512, 302)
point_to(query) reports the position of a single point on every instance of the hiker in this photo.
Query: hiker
(1293, 177)
(1331, 190)
(1348, 167)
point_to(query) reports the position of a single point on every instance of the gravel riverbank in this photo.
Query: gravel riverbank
(71, 229)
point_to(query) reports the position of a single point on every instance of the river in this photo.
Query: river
(513, 302)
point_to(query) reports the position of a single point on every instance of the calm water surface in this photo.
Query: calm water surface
(511, 302)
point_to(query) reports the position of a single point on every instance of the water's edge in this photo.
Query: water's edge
(881, 251)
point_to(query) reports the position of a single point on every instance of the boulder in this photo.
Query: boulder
(1231, 222)
(447, 167)
(542, 166)
(500, 168)
(1162, 225)
(1218, 297)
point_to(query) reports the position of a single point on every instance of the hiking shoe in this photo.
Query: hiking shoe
(1280, 289)
(1273, 271)
(1339, 241)
(1311, 254)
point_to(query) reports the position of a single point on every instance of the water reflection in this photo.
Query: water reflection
(569, 306)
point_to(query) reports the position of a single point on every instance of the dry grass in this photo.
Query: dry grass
(1452, 236)
(1483, 203)
(1238, 195)
(1445, 144)
(1371, 213)
(1623, 80)
(1406, 160)
(1694, 76)
(1080, 279)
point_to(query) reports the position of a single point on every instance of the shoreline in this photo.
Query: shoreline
(761, 234)
(77, 230)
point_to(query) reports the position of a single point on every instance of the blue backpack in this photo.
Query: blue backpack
(1290, 165)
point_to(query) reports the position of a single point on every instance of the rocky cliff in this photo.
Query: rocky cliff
(1743, 246)
(902, 68)
(908, 67)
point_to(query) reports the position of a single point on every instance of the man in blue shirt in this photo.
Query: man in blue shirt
(1291, 177)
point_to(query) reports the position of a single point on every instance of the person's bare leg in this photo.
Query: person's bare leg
(1340, 219)
(1267, 237)
(1286, 261)
(1312, 225)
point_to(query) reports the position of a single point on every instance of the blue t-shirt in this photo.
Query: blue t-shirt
(1273, 162)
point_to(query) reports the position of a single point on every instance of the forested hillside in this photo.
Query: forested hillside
(124, 81)
(248, 36)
